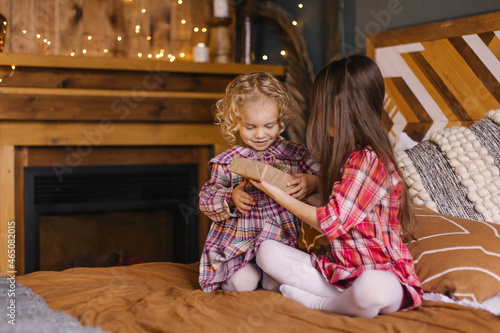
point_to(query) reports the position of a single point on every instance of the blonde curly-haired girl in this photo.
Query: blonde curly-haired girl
(253, 113)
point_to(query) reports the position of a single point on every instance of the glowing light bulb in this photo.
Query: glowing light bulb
(300, 5)
(264, 57)
(182, 55)
(84, 51)
(105, 50)
(89, 37)
(137, 29)
(13, 67)
(72, 54)
(150, 56)
(204, 29)
(179, 2)
(119, 38)
(45, 40)
(148, 38)
(1, 80)
(38, 36)
(172, 59)
(283, 52)
(139, 54)
(25, 31)
(49, 42)
(294, 22)
(183, 21)
(143, 10)
(196, 29)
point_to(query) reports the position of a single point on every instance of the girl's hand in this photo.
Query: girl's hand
(271, 190)
(241, 199)
(303, 211)
(305, 185)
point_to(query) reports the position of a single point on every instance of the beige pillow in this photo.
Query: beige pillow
(455, 256)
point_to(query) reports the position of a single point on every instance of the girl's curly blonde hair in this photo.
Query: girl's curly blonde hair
(248, 88)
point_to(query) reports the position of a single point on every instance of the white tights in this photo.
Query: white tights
(373, 292)
(247, 279)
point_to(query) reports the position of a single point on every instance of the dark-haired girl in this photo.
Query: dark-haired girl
(362, 207)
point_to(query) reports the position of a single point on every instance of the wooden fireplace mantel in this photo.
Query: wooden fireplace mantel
(109, 111)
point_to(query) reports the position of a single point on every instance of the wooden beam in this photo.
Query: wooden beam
(74, 78)
(109, 93)
(432, 31)
(58, 61)
(21, 161)
(7, 209)
(127, 108)
(89, 134)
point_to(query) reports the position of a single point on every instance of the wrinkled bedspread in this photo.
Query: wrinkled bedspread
(166, 297)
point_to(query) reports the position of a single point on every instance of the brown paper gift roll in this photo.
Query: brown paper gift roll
(257, 170)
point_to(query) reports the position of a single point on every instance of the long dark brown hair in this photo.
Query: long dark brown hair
(347, 97)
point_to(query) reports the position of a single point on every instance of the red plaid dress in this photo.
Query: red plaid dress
(234, 237)
(361, 224)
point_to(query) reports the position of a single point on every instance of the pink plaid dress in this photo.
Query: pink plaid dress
(234, 237)
(361, 224)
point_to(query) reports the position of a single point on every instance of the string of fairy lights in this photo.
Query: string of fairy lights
(161, 53)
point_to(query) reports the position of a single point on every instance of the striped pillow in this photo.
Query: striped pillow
(457, 172)
(456, 257)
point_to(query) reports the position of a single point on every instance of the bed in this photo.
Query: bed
(165, 297)
(457, 252)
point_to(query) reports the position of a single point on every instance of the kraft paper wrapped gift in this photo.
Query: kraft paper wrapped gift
(257, 170)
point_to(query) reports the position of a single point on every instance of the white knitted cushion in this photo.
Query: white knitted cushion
(456, 171)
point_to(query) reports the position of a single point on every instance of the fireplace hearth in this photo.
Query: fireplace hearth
(103, 214)
(103, 111)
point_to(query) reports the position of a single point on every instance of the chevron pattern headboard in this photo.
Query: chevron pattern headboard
(439, 75)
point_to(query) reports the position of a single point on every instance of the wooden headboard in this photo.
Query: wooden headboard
(439, 75)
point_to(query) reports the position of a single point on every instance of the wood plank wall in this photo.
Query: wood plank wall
(117, 28)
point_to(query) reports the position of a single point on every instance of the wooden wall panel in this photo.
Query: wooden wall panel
(439, 75)
(121, 107)
(95, 27)
(112, 80)
(109, 79)
(180, 29)
(5, 9)
(21, 28)
(46, 27)
(161, 12)
(70, 28)
(137, 28)
(118, 28)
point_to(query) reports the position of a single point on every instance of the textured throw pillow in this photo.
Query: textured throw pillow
(456, 257)
(457, 171)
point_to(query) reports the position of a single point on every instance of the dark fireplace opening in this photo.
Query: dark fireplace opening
(110, 215)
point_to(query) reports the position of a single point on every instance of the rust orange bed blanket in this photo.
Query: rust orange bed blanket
(165, 297)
